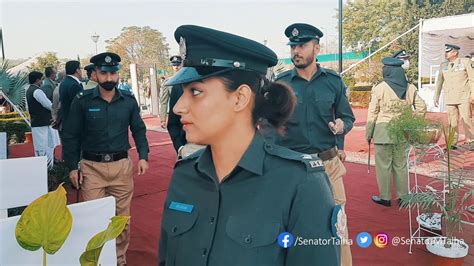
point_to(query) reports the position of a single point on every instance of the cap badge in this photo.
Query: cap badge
(108, 59)
(295, 32)
(182, 47)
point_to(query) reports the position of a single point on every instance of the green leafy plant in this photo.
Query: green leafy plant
(45, 223)
(13, 85)
(457, 195)
(410, 128)
(90, 257)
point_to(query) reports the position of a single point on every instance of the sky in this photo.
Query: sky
(65, 27)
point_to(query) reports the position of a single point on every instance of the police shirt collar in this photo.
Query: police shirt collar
(96, 93)
(320, 70)
(252, 159)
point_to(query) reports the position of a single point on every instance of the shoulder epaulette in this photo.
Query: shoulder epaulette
(283, 74)
(311, 162)
(332, 72)
(128, 93)
(192, 157)
(83, 93)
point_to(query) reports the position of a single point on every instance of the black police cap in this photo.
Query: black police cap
(108, 62)
(400, 54)
(207, 52)
(448, 47)
(89, 68)
(391, 61)
(176, 60)
(300, 33)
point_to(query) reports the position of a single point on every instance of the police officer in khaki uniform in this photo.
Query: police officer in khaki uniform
(390, 157)
(165, 91)
(241, 200)
(323, 115)
(91, 77)
(98, 127)
(402, 55)
(456, 77)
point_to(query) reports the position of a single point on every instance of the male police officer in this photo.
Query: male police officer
(165, 91)
(456, 76)
(323, 115)
(98, 127)
(92, 77)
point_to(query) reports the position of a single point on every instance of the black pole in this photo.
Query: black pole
(1, 40)
(340, 36)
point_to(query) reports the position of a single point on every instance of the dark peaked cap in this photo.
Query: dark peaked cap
(217, 52)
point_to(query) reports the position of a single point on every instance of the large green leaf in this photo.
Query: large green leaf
(45, 223)
(90, 257)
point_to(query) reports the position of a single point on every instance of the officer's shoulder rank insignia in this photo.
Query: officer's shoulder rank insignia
(306, 156)
(315, 163)
(339, 222)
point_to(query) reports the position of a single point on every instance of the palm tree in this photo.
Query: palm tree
(13, 86)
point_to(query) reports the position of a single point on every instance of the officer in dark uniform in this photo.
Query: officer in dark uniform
(323, 115)
(237, 201)
(98, 128)
(174, 126)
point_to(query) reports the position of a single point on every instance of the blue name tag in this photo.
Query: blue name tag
(94, 109)
(181, 207)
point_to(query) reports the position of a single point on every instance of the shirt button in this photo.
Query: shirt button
(248, 239)
(204, 252)
(211, 220)
(174, 229)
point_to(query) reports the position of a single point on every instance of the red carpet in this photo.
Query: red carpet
(363, 215)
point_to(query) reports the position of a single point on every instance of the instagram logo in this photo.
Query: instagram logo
(381, 240)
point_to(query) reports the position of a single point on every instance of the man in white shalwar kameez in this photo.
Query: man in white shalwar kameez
(45, 138)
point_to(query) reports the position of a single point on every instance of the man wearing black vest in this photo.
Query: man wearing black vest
(39, 107)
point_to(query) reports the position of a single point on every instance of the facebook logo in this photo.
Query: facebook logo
(285, 240)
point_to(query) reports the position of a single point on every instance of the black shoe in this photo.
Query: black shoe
(380, 201)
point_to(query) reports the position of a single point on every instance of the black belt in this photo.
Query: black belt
(328, 154)
(104, 157)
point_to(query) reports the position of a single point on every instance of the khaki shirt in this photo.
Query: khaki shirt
(457, 80)
(382, 109)
(164, 100)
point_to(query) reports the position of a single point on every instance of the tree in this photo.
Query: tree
(142, 46)
(49, 59)
(371, 24)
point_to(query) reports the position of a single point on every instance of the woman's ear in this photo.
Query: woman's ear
(243, 96)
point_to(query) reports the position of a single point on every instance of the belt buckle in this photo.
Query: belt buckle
(107, 158)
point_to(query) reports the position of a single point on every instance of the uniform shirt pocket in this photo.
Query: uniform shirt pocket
(176, 223)
(321, 109)
(96, 119)
(252, 234)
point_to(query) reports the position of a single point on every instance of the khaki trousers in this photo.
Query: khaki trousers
(111, 179)
(391, 160)
(462, 110)
(335, 170)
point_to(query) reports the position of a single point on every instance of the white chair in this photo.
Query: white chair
(22, 181)
(89, 218)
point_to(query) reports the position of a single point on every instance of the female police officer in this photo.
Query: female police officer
(241, 201)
